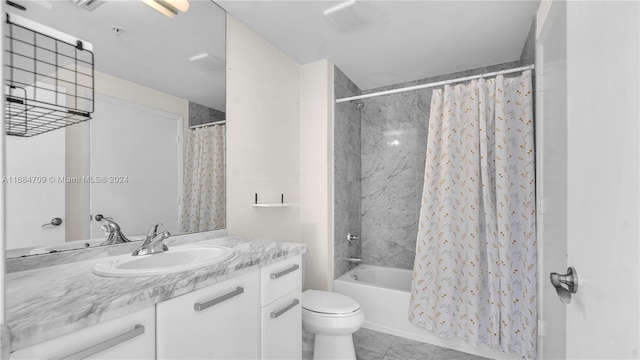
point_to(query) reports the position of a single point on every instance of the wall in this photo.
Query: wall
(135, 93)
(551, 176)
(279, 126)
(316, 171)
(394, 132)
(347, 184)
(262, 136)
(528, 55)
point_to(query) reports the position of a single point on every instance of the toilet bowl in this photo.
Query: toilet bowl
(333, 318)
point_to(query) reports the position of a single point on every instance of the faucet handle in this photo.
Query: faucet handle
(153, 230)
(156, 245)
(112, 225)
(152, 246)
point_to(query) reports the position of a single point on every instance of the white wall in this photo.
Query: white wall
(263, 151)
(316, 171)
(551, 168)
(280, 140)
(135, 93)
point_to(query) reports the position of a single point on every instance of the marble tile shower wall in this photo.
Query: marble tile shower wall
(528, 55)
(200, 114)
(393, 152)
(346, 173)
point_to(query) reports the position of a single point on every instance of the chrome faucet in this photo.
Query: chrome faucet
(153, 245)
(153, 231)
(113, 232)
(355, 261)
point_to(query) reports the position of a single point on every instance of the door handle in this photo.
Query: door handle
(570, 280)
(54, 222)
(99, 217)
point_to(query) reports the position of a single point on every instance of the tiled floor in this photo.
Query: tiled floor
(373, 345)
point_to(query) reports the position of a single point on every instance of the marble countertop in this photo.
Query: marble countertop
(48, 302)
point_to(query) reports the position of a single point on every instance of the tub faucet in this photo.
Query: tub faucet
(355, 261)
(113, 232)
(153, 245)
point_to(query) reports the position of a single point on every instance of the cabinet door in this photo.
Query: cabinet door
(218, 322)
(129, 337)
(281, 328)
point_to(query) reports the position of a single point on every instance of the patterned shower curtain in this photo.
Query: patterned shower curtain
(204, 199)
(475, 268)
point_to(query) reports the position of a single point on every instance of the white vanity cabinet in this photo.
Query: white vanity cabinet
(128, 337)
(221, 321)
(254, 315)
(281, 310)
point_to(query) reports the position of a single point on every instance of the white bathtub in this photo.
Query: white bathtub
(383, 294)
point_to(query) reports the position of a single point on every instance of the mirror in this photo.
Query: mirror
(154, 76)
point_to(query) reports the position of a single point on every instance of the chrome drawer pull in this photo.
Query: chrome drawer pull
(285, 272)
(92, 350)
(218, 300)
(284, 310)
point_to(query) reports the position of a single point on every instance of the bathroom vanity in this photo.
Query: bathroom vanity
(247, 307)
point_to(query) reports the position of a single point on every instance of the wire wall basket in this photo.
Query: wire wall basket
(49, 79)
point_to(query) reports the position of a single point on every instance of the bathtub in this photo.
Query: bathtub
(383, 294)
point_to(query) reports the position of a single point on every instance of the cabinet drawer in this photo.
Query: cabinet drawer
(221, 321)
(280, 278)
(129, 337)
(281, 328)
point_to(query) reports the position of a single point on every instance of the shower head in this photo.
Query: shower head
(359, 105)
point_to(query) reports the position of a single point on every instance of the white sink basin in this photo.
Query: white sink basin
(78, 244)
(173, 260)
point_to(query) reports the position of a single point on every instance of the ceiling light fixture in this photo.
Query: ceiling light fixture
(207, 62)
(346, 16)
(88, 5)
(169, 8)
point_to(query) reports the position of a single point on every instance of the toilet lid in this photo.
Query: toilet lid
(328, 302)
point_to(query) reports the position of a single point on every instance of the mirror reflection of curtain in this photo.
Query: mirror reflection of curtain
(204, 199)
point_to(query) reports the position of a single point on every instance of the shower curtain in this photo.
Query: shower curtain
(474, 274)
(204, 197)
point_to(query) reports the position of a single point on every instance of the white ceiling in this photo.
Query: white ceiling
(405, 40)
(153, 51)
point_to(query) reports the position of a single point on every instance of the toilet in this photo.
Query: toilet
(333, 318)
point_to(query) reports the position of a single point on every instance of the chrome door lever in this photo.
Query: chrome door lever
(54, 222)
(570, 280)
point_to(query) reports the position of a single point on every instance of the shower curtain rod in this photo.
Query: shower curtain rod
(434, 84)
(208, 124)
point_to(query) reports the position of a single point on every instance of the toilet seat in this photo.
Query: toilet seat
(329, 303)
